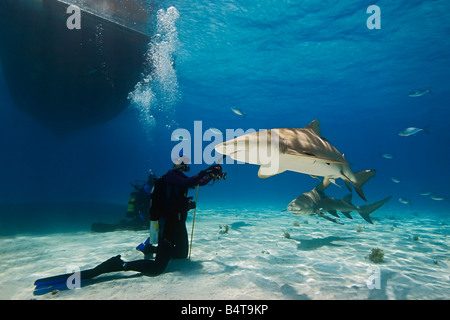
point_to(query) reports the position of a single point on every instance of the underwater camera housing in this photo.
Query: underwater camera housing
(218, 173)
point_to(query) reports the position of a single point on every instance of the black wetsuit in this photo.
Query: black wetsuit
(173, 240)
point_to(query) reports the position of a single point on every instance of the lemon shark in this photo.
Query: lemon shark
(317, 202)
(301, 150)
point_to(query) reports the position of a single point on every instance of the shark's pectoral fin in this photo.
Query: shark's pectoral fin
(326, 182)
(334, 213)
(322, 215)
(347, 214)
(269, 171)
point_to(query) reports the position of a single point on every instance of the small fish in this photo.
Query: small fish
(419, 93)
(404, 201)
(238, 111)
(437, 198)
(412, 131)
(426, 193)
(395, 180)
(215, 130)
(387, 156)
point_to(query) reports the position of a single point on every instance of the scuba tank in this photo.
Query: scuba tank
(154, 232)
(154, 222)
(131, 209)
(148, 248)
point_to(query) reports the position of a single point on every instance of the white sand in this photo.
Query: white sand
(254, 261)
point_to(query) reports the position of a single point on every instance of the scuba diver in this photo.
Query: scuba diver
(137, 210)
(169, 208)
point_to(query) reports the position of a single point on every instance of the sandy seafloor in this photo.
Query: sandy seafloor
(255, 259)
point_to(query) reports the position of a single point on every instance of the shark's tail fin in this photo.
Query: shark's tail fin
(361, 179)
(365, 211)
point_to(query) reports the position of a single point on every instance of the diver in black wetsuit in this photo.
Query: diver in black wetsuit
(173, 238)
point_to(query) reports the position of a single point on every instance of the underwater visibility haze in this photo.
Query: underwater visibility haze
(76, 130)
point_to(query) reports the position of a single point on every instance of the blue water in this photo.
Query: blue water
(285, 63)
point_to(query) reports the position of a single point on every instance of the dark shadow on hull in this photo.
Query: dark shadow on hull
(67, 79)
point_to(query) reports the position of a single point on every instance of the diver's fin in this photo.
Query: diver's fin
(62, 282)
(41, 290)
(55, 280)
(113, 264)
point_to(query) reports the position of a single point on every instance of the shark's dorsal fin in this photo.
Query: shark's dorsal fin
(319, 188)
(348, 198)
(314, 126)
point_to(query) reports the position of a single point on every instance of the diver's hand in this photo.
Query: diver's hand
(202, 173)
(213, 170)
